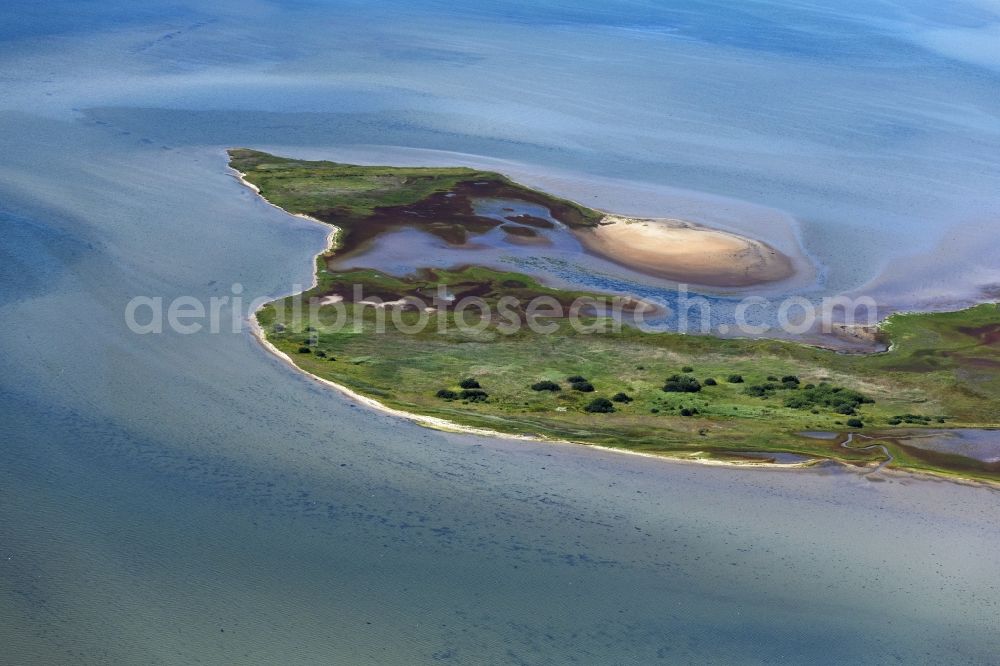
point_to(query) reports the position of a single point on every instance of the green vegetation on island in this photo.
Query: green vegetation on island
(363, 201)
(679, 395)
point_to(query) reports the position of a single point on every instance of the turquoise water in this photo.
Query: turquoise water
(187, 498)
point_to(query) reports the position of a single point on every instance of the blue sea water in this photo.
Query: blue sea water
(187, 498)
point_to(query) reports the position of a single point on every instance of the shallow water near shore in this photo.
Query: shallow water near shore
(180, 498)
(981, 445)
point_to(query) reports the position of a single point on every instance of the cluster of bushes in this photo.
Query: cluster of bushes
(915, 419)
(545, 386)
(319, 353)
(735, 379)
(580, 383)
(681, 384)
(760, 390)
(576, 382)
(841, 400)
(786, 383)
(471, 392)
(473, 395)
(855, 423)
(689, 411)
(787, 379)
(600, 406)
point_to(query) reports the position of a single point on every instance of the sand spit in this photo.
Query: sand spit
(684, 252)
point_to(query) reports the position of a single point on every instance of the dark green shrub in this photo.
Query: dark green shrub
(304, 349)
(855, 423)
(735, 379)
(654, 410)
(320, 353)
(772, 378)
(447, 394)
(710, 382)
(576, 379)
(621, 397)
(545, 385)
(687, 368)
(916, 419)
(469, 383)
(689, 411)
(759, 390)
(790, 379)
(797, 402)
(841, 400)
(474, 395)
(600, 406)
(583, 387)
(681, 384)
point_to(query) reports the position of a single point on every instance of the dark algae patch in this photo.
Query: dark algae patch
(517, 230)
(681, 395)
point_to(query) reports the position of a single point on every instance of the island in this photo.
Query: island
(926, 405)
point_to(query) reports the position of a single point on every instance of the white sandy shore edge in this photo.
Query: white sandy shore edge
(240, 176)
(683, 251)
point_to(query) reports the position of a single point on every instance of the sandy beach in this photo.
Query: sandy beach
(684, 252)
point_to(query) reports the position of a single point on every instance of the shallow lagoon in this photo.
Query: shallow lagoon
(556, 256)
(981, 445)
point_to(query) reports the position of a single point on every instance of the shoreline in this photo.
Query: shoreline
(241, 177)
(444, 425)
